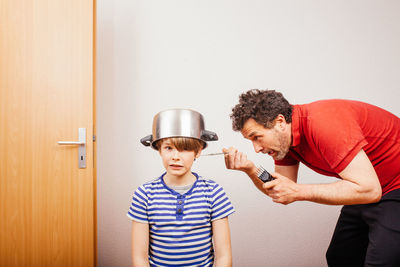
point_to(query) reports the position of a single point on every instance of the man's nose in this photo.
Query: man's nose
(257, 147)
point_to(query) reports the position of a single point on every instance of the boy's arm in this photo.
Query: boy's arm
(222, 242)
(140, 244)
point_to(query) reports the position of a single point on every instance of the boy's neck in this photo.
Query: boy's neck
(172, 180)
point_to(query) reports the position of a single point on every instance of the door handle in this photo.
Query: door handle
(82, 147)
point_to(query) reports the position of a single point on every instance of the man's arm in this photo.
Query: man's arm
(288, 171)
(359, 185)
(236, 160)
(140, 244)
(222, 243)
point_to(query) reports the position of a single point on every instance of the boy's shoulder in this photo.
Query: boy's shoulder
(153, 181)
(152, 184)
(207, 182)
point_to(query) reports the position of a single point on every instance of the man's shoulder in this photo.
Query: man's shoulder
(330, 104)
(328, 111)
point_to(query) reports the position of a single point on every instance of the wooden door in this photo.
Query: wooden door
(47, 203)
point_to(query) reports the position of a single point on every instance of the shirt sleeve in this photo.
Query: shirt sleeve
(288, 160)
(138, 208)
(221, 206)
(338, 140)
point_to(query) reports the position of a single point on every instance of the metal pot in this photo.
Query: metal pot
(178, 123)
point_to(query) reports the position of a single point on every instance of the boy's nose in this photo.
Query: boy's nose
(175, 154)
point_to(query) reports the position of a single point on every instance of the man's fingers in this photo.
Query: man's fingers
(238, 159)
(230, 157)
(270, 184)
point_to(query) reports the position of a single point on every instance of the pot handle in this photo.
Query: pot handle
(208, 136)
(146, 141)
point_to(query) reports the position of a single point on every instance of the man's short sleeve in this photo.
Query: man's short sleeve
(338, 140)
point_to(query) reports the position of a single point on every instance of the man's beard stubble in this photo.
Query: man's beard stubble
(284, 145)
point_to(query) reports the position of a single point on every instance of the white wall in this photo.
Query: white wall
(155, 55)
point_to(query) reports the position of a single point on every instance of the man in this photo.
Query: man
(356, 142)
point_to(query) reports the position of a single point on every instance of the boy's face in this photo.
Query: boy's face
(176, 163)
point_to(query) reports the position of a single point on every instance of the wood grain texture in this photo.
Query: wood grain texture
(46, 94)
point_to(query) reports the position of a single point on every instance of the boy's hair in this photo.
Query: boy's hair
(183, 143)
(261, 105)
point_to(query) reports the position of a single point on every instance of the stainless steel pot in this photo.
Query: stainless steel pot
(178, 123)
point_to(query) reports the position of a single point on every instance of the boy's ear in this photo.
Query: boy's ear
(198, 153)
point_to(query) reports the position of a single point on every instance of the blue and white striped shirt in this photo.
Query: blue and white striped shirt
(180, 225)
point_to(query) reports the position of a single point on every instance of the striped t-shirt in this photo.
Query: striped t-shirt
(180, 225)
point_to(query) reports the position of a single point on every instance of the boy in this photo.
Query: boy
(180, 218)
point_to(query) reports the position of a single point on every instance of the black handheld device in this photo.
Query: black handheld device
(263, 175)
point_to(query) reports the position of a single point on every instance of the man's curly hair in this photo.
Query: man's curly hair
(261, 105)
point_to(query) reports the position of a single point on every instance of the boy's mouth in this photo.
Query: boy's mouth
(175, 166)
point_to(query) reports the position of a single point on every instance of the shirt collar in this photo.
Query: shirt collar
(173, 191)
(295, 126)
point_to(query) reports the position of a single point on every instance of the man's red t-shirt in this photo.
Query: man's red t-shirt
(328, 134)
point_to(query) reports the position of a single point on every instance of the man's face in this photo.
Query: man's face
(275, 141)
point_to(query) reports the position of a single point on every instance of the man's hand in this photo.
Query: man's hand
(235, 160)
(282, 189)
